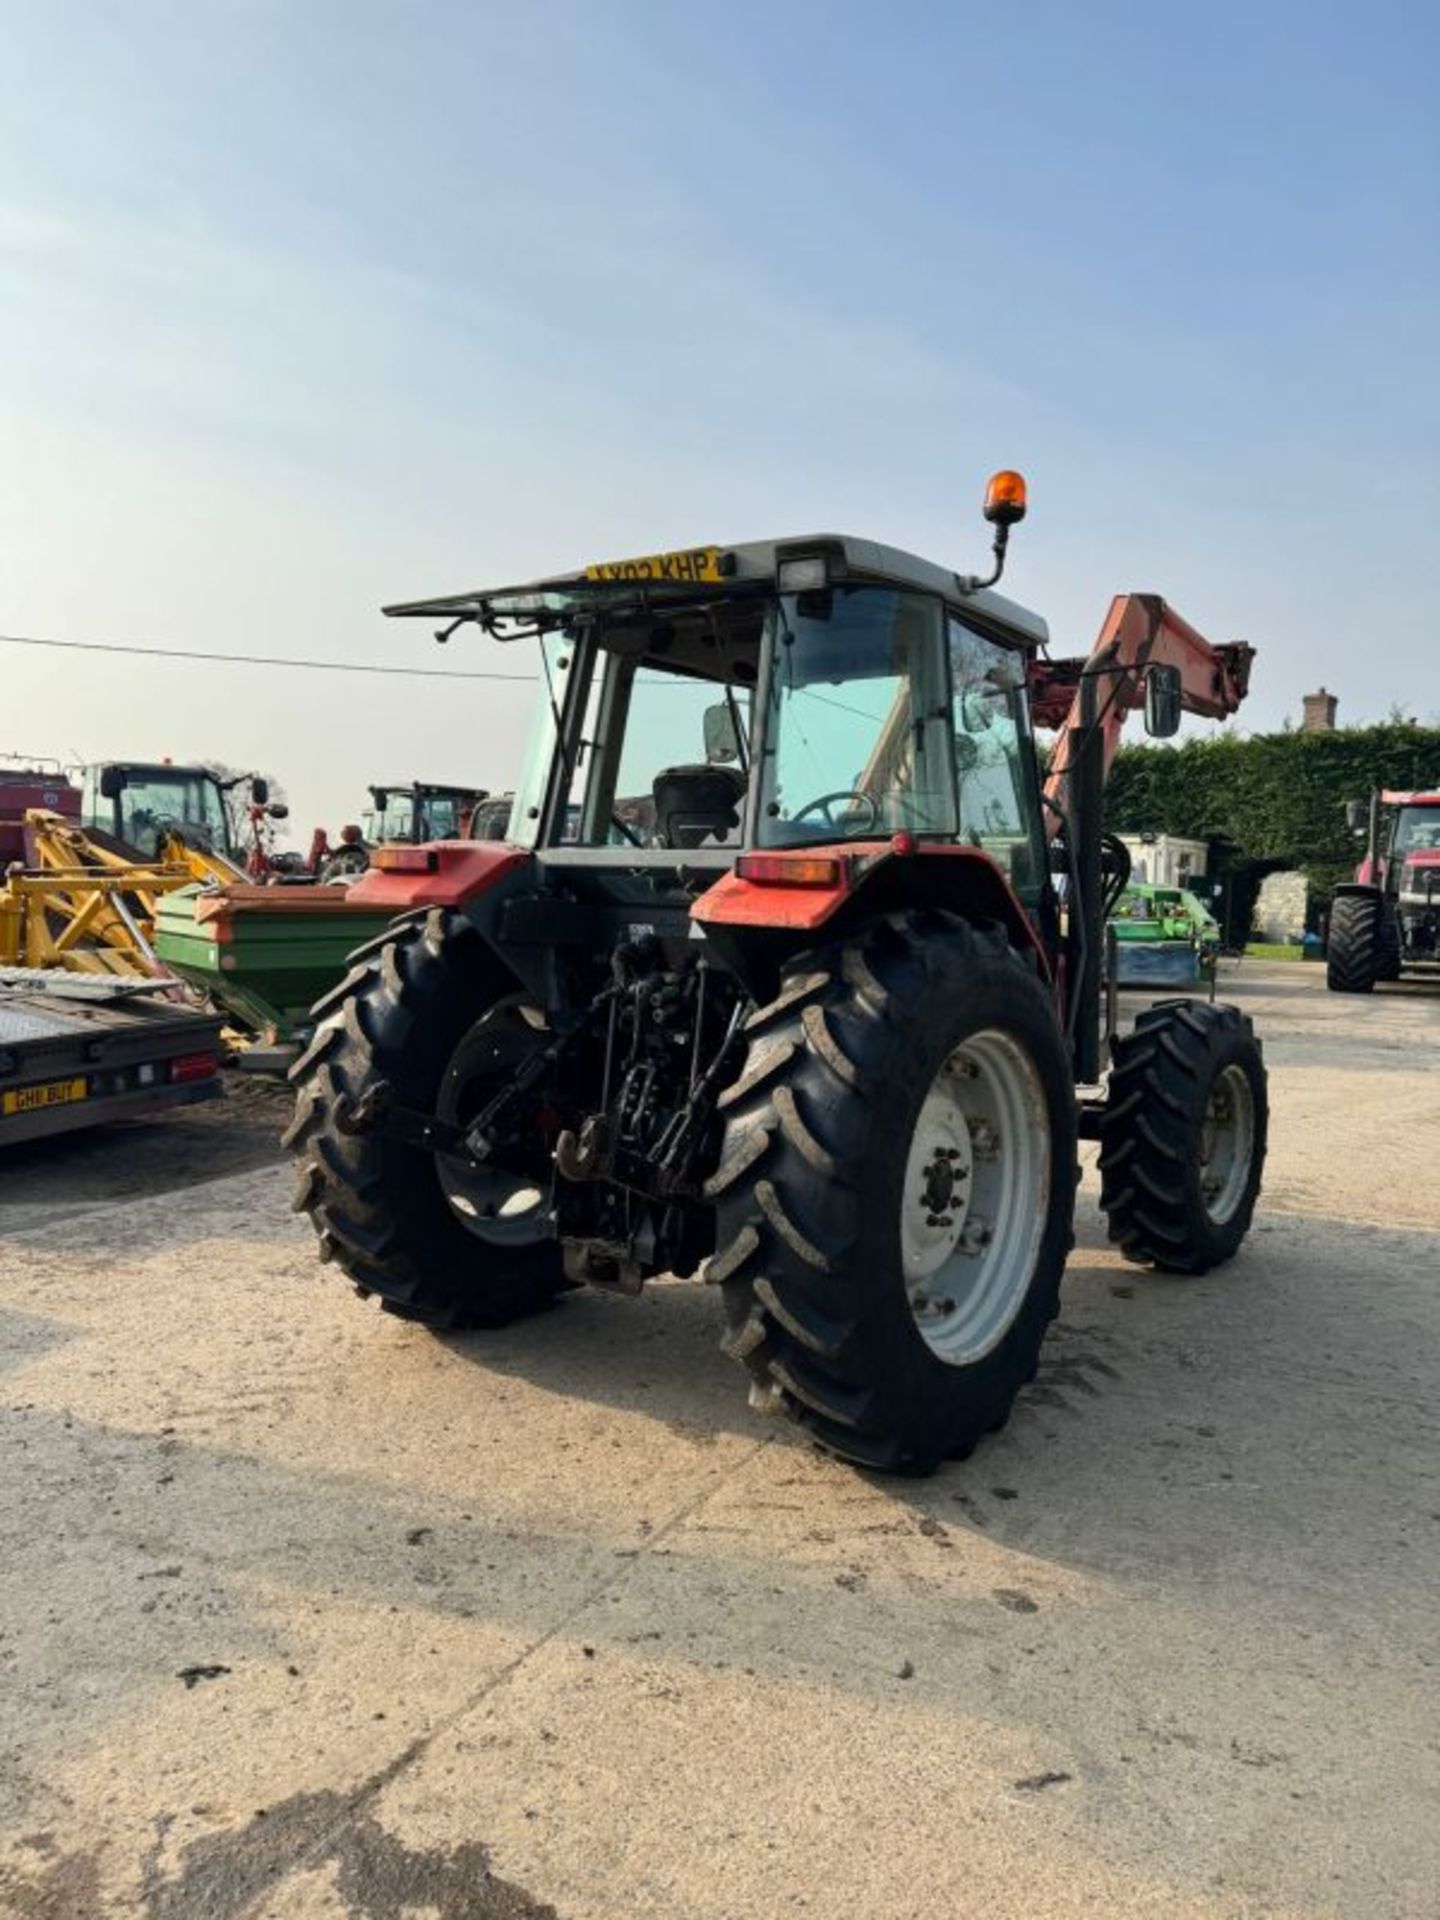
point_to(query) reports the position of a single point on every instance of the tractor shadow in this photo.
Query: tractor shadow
(658, 1357)
(1160, 1390)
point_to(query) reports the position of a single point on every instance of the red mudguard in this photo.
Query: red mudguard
(885, 873)
(446, 873)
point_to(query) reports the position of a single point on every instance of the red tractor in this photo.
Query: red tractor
(823, 1026)
(1387, 921)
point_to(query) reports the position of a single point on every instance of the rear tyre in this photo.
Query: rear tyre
(896, 1189)
(1183, 1135)
(426, 1012)
(1356, 952)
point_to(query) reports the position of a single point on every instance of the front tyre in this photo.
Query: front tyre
(1183, 1135)
(896, 1188)
(425, 1015)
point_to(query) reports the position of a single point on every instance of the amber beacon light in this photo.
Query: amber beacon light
(1005, 498)
(1004, 507)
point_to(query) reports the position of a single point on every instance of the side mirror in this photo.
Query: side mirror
(381, 797)
(112, 782)
(1357, 816)
(1162, 701)
(721, 743)
(259, 790)
(278, 810)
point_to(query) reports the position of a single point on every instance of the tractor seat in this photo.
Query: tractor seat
(695, 804)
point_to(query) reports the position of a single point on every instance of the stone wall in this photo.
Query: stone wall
(1280, 908)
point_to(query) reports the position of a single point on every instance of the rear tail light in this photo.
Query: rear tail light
(790, 869)
(405, 860)
(192, 1066)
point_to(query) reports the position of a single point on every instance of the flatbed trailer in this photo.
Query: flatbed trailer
(80, 1051)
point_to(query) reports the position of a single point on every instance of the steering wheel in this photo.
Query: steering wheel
(827, 801)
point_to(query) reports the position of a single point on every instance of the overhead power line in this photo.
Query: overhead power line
(259, 660)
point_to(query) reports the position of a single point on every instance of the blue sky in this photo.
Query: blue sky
(305, 307)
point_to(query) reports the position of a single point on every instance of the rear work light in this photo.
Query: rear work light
(790, 870)
(405, 859)
(192, 1066)
(802, 575)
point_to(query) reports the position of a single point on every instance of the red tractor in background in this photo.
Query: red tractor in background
(821, 1024)
(1386, 921)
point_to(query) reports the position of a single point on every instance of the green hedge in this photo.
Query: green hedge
(1278, 798)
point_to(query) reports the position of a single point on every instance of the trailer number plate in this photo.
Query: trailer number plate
(50, 1093)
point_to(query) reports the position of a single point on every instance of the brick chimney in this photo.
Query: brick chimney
(1319, 712)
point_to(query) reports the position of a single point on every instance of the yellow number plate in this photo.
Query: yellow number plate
(51, 1093)
(695, 564)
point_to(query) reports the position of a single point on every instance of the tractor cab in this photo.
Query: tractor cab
(1415, 833)
(146, 807)
(139, 802)
(1414, 862)
(425, 810)
(700, 706)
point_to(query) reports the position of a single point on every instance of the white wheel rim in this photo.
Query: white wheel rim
(1227, 1144)
(976, 1195)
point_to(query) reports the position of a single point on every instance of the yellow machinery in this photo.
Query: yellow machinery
(202, 862)
(86, 907)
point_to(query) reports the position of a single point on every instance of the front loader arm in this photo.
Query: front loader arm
(203, 863)
(1140, 630)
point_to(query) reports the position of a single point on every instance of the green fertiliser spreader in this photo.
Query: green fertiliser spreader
(264, 954)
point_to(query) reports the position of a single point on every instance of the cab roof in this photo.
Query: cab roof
(162, 769)
(694, 574)
(441, 789)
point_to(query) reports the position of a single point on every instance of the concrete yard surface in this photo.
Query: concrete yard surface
(306, 1613)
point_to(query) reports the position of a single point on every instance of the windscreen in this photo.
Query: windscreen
(1417, 830)
(857, 735)
(151, 803)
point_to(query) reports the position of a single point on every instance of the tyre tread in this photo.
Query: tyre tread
(790, 1188)
(1357, 952)
(1159, 1083)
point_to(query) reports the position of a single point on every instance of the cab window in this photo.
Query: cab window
(994, 757)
